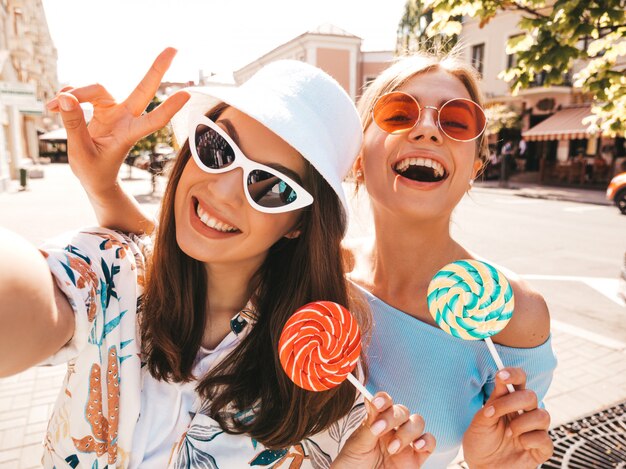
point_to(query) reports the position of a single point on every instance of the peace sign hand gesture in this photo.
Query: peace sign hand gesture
(97, 151)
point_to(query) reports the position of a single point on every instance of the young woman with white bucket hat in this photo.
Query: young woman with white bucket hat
(172, 346)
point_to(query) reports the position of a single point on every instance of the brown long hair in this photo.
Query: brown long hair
(295, 272)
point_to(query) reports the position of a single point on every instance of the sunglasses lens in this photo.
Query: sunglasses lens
(462, 119)
(268, 190)
(396, 112)
(212, 149)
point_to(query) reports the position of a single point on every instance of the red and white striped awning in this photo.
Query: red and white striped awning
(566, 124)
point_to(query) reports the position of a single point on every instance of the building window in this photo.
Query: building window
(511, 59)
(478, 57)
(17, 21)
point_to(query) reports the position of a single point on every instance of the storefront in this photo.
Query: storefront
(571, 152)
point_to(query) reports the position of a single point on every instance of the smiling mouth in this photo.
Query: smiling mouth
(421, 170)
(212, 222)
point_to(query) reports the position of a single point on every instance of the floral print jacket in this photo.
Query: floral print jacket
(102, 273)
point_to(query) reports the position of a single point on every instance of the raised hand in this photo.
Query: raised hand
(499, 437)
(97, 151)
(389, 438)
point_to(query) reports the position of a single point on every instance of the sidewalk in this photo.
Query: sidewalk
(591, 374)
(537, 191)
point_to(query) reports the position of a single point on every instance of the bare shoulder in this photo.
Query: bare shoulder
(530, 325)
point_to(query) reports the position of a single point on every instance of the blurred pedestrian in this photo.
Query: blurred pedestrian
(508, 162)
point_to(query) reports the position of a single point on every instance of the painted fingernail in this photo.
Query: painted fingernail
(504, 375)
(393, 446)
(379, 402)
(378, 427)
(419, 444)
(489, 411)
(65, 103)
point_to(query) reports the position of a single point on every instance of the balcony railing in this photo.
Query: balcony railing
(540, 80)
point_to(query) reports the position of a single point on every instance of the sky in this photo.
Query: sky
(113, 42)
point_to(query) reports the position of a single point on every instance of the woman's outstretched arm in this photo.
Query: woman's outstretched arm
(36, 319)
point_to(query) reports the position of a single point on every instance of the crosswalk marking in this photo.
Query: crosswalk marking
(587, 335)
(606, 286)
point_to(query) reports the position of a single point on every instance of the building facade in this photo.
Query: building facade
(558, 145)
(332, 49)
(28, 78)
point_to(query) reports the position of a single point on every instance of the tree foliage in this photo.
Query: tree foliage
(150, 142)
(412, 36)
(556, 36)
(501, 116)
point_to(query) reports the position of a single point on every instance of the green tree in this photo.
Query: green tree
(556, 35)
(501, 116)
(411, 35)
(149, 144)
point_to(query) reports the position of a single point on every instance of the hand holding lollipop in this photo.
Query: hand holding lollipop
(472, 300)
(318, 349)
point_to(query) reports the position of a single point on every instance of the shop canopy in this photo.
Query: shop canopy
(566, 124)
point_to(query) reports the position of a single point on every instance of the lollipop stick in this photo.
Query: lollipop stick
(498, 360)
(360, 387)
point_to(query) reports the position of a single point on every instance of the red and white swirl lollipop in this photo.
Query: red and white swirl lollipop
(320, 346)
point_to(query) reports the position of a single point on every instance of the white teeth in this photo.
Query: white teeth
(213, 222)
(426, 162)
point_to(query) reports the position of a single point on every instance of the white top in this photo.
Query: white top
(110, 411)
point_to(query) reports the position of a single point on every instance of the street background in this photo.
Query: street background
(569, 250)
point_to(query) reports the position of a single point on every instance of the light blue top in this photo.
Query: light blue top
(444, 379)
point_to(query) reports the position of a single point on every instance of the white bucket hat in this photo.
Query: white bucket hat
(298, 102)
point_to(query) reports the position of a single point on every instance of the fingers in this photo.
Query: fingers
(512, 376)
(78, 137)
(160, 116)
(425, 444)
(540, 442)
(147, 88)
(410, 431)
(94, 94)
(537, 419)
(398, 425)
(524, 399)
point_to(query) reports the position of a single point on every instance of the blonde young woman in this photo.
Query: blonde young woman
(172, 350)
(423, 147)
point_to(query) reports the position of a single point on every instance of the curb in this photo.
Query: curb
(551, 196)
(581, 196)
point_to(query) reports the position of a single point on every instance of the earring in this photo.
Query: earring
(359, 174)
(471, 182)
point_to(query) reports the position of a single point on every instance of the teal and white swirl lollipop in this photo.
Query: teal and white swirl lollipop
(472, 300)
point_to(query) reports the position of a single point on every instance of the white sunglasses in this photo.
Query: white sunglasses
(266, 189)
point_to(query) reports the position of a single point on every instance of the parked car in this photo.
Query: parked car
(617, 192)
